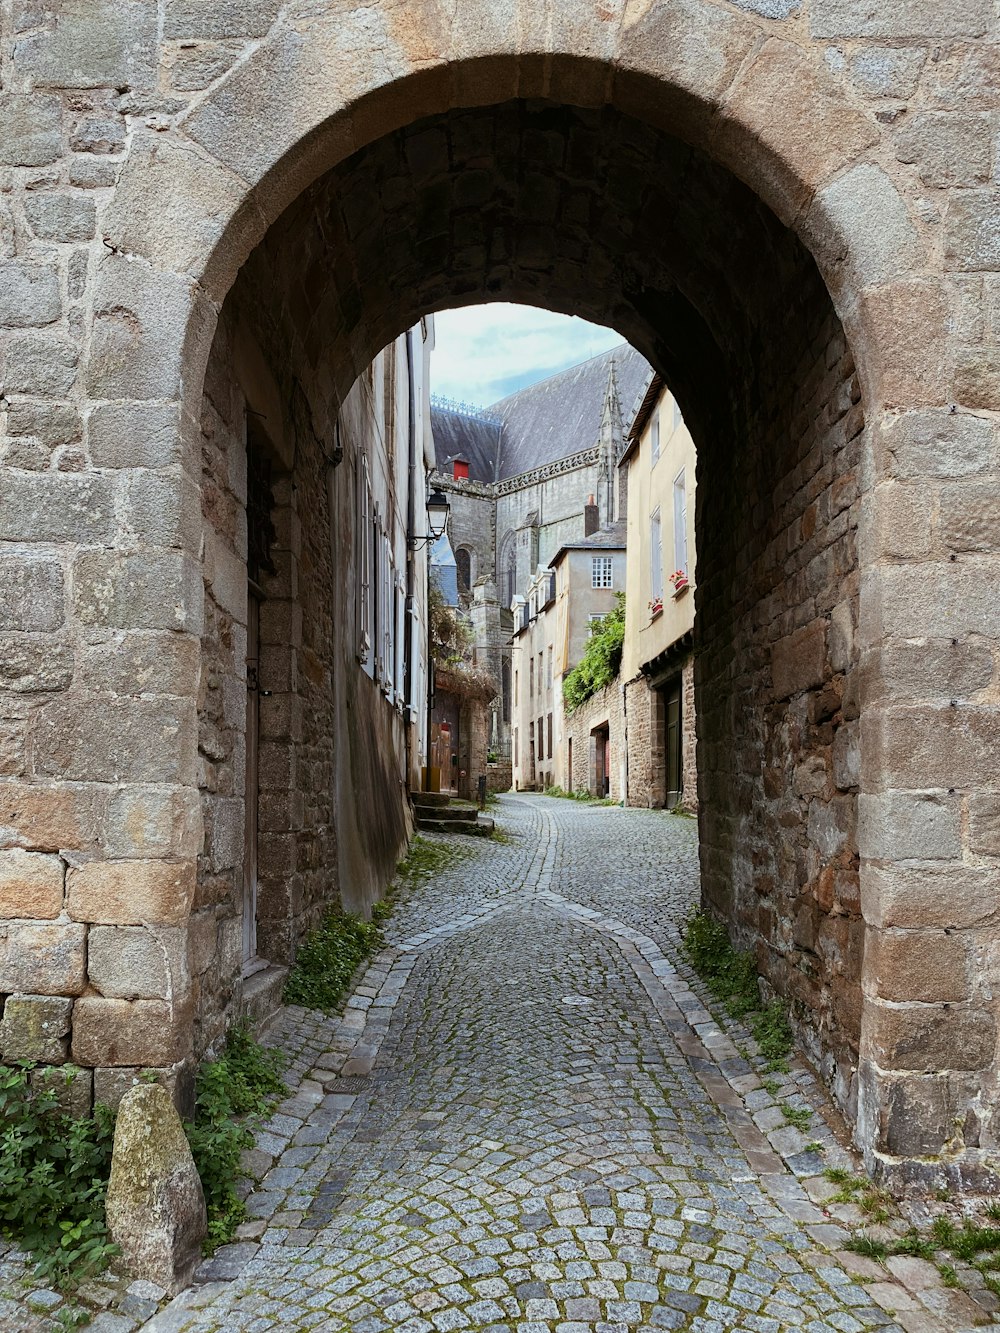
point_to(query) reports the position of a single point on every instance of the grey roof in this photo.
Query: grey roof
(562, 415)
(546, 421)
(461, 435)
(611, 538)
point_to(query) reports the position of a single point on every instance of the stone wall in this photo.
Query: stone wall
(744, 192)
(776, 632)
(604, 709)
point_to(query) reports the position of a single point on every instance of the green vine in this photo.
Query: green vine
(600, 662)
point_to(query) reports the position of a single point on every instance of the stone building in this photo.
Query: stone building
(519, 475)
(789, 208)
(657, 660)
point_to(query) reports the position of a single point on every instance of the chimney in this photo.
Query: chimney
(590, 517)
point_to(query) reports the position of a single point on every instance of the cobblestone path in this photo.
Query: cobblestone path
(518, 1125)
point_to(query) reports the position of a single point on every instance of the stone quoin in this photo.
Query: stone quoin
(214, 217)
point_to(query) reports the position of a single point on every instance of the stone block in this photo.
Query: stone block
(51, 423)
(136, 962)
(29, 294)
(117, 740)
(947, 747)
(40, 364)
(898, 825)
(141, 330)
(830, 825)
(932, 600)
(61, 217)
(111, 1085)
(131, 892)
(949, 150)
(861, 219)
(219, 19)
(36, 1028)
(98, 134)
(42, 958)
(930, 1038)
(31, 885)
(901, 19)
(91, 44)
(142, 435)
(125, 1032)
(158, 662)
(984, 823)
(970, 516)
(34, 666)
(155, 1206)
(912, 319)
(150, 822)
(937, 444)
(847, 756)
(887, 71)
(920, 1113)
(976, 383)
(897, 523)
(72, 1086)
(909, 965)
(57, 508)
(971, 237)
(31, 593)
(155, 590)
(171, 205)
(953, 896)
(798, 662)
(30, 130)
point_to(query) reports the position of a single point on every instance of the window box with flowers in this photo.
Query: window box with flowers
(679, 579)
(655, 608)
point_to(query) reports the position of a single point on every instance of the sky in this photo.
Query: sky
(484, 352)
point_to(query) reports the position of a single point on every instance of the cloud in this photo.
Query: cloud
(484, 352)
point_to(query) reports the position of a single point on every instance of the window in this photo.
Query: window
(550, 734)
(655, 557)
(517, 687)
(463, 568)
(517, 759)
(594, 622)
(531, 678)
(541, 658)
(541, 738)
(680, 523)
(364, 585)
(677, 418)
(548, 671)
(601, 572)
(654, 438)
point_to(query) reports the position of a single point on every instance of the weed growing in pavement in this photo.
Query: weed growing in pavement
(328, 957)
(949, 1277)
(799, 1116)
(425, 859)
(869, 1247)
(54, 1172)
(231, 1094)
(815, 1146)
(731, 976)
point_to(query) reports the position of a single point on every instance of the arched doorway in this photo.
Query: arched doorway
(635, 172)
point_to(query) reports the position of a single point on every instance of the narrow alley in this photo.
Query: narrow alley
(526, 1120)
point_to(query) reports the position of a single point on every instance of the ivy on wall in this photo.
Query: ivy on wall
(600, 663)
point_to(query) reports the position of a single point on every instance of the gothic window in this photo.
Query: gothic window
(463, 562)
(509, 574)
(505, 690)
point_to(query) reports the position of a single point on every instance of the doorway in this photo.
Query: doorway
(251, 963)
(673, 744)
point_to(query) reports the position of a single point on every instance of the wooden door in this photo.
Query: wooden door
(674, 745)
(250, 962)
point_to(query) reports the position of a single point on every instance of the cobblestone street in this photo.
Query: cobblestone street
(518, 1125)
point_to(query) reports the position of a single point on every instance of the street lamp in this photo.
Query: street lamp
(438, 510)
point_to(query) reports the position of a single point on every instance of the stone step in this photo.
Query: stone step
(481, 828)
(451, 814)
(430, 799)
(261, 996)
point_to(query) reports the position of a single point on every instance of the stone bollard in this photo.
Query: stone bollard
(155, 1205)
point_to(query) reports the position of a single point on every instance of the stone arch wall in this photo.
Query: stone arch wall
(868, 135)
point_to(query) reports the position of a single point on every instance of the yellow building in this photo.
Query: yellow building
(657, 665)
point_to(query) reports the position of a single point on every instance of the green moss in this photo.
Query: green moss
(731, 976)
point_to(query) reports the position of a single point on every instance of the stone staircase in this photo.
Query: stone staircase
(436, 814)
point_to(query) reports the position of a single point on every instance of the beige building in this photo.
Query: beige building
(658, 466)
(551, 627)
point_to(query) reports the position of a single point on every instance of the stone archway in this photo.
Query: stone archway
(313, 111)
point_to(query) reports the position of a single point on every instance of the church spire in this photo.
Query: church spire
(609, 444)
